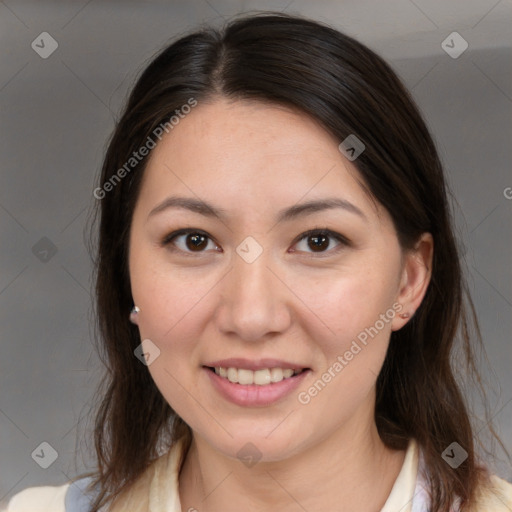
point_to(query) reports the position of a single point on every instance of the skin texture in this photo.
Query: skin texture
(293, 303)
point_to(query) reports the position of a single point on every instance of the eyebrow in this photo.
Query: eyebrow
(287, 214)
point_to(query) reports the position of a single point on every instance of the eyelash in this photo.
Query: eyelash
(343, 241)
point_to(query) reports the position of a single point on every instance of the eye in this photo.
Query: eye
(192, 241)
(319, 241)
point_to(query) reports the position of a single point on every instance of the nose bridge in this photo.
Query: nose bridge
(253, 301)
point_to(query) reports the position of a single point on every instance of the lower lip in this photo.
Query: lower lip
(252, 395)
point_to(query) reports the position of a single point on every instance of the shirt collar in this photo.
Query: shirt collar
(164, 491)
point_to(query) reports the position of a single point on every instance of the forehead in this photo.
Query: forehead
(228, 130)
(243, 153)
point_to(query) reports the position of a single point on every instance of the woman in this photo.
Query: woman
(278, 290)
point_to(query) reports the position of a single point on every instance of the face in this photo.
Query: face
(266, 290)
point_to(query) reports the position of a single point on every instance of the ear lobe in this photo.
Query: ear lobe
(416, 275)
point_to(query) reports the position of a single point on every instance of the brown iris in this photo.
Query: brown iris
(321, 242)
(196, 241)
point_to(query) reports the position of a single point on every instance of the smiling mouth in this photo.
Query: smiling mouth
(263, 377)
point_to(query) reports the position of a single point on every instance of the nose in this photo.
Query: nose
(255, 303)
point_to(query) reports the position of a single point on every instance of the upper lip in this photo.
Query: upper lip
(260, 364)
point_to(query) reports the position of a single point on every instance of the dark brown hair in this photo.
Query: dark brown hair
(310, 67)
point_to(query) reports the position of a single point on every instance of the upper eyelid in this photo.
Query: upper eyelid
(185, 231)
(327, 232)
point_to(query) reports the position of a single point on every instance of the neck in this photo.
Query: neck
(350, 470)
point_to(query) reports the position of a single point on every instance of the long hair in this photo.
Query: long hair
(299, 63)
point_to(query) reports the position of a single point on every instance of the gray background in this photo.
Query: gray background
(57, 113)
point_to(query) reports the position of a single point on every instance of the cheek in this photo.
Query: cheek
(341, 306)
(173, 315)
(351, 326)
(167, 297)
(175, 310)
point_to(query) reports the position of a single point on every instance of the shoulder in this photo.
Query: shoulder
(497, 496)
(39, 499)
(69, 497)
(494, 495)
(75, 496)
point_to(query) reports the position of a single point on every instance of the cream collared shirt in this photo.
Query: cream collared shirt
(157, 490)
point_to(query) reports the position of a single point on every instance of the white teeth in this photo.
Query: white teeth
(262, 377)
(244, 376)
(276, 374)
(258, 377)
(232, 374)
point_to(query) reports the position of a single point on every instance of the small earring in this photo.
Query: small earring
(133, 313)
(404, 315)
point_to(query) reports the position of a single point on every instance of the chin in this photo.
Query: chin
(258, 447)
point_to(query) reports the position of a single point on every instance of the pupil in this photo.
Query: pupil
(197, 241)
(321, 245)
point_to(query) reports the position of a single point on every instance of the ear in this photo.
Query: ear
(414, 280)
